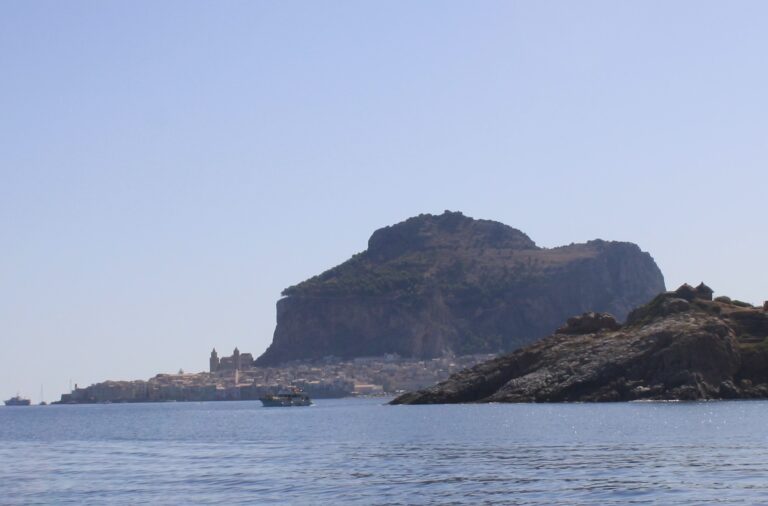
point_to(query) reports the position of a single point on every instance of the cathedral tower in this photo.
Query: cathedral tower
(214, 361)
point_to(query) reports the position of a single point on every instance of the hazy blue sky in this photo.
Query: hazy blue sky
(167, 168)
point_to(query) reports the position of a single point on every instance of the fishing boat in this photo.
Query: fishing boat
(17, 401)
(293, 397)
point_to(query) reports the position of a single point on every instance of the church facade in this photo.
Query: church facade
(236, 362)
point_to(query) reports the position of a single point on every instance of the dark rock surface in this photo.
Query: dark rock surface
(670, 348)
(589, 323)
(436, 285)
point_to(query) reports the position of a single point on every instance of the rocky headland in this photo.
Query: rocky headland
(447, 285)
(681, 346)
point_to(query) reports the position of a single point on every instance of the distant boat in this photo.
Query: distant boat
(17, 401)
(295, 397)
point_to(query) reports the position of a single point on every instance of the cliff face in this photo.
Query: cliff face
(451, 284)
(681, 345)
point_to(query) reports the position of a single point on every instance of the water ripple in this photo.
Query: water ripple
(358, 452)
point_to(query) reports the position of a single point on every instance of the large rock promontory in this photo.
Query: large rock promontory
(450, 284)
(681, 346)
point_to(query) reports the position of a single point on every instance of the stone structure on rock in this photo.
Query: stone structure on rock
(685, 292)
(704, 292)
(676, 347)
(447, 285)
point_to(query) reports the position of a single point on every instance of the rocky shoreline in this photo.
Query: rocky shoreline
(683, 345)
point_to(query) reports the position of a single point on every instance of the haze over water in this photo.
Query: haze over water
(362, 452)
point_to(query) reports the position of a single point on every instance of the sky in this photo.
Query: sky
(167, 168)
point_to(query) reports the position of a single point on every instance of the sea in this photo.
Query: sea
(361, 451)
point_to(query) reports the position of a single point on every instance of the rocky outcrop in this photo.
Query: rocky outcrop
(671, 348)
(449, 284)
(589, 323)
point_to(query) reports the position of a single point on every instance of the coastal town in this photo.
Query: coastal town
(235, 377)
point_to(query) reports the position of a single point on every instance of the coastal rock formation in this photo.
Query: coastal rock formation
(449, 284)
(682, 345)
(588, 323)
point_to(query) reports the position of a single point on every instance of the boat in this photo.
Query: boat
(17, 401)
(293, 397)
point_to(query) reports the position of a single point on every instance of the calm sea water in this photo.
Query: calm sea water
(360, 451)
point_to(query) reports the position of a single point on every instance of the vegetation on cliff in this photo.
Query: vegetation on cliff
(450, 284)
(680, 346)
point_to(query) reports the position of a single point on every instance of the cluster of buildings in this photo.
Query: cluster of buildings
(237, 378)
